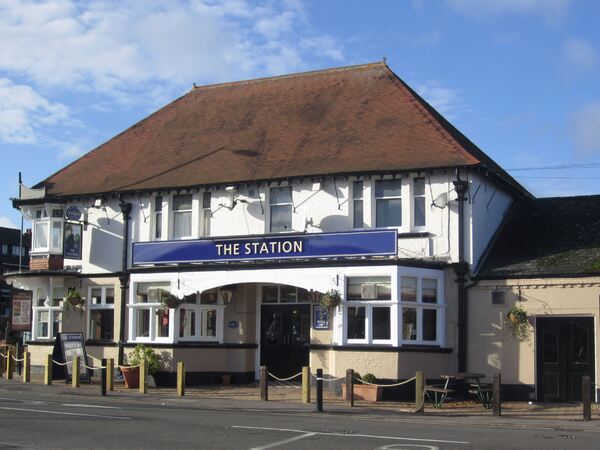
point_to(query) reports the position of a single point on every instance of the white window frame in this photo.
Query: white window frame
(269, 205)
(100, 306)
(156, 215)
(198, 308)
(419, 305)
(369, 305)
(353, 200)
(172, 212)
(414, 197)
(402, 198)
(52, 312)
(203, 212)
(46, 218)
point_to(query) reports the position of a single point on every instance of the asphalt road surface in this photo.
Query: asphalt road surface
(46, 419)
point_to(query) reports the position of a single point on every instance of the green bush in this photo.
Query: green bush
(369, 378)
(141, 353)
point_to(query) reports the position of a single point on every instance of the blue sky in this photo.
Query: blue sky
(521, 78)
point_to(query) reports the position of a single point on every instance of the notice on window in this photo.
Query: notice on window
(21, 310)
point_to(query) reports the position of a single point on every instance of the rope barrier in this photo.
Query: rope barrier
(284, 379)
(94, 368)
(386, 385)
(327, 379)
(17, 359)
(129, 367)
(4, 356)
(62, 364)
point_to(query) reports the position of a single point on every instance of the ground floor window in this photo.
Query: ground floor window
(101, 312)
(369, 309)
(47, 313)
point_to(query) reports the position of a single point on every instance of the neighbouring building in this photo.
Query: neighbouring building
(545, 260)
(14, 255)
(209, 230)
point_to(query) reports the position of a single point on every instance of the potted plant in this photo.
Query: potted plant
(131, 373)
(517, 322)
(170, 301)
(73, 301)
(331, 299)
(363, 391)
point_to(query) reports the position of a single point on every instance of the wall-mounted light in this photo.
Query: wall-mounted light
(227, 293)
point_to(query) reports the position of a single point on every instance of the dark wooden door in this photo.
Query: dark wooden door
(565, 354)
(285, 338)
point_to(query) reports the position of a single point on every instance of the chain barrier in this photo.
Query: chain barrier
(385, 385)
(284, 379)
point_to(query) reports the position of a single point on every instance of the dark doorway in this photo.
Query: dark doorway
(284, 338)
(565, 354)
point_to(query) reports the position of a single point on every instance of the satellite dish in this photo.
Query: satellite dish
(441, 201)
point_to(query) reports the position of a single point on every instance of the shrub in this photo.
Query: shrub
(141, 353)
(369, 378)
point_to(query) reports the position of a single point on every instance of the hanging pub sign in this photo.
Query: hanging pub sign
(72, 244)
(290, 246)
(73, 213)
(320, 317)
(66, 347)
(20, 316)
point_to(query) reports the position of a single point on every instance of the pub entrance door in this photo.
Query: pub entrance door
(565, 353)
(285, 338)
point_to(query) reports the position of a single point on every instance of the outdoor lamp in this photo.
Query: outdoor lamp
(227, 293)
(315, 296)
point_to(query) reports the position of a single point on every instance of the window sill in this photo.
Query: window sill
(382, 348)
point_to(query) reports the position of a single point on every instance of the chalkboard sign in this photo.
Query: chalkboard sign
(66, 347)
(320, 317)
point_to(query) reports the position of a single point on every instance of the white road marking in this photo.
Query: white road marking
(64, 413)
(285, 441)
(81, 405)
(373, 436)
(405, 446)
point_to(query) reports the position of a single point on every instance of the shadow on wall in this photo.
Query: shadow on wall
(105, 249)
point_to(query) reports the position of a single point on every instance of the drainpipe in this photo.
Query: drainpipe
(124, 278)
(460, 269)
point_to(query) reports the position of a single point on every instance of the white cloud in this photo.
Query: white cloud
(550, 9)
(585, 129)
(120, 48)
(579, 54)
(6, 222)
(23, 111)
(446, 101)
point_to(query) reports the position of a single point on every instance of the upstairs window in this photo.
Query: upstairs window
(357, 204)
(48, 230)
(158, 215)
(5, 249)
(206, 213)
(182, 216)
(280, 204)
(388, 203)
(419, 202)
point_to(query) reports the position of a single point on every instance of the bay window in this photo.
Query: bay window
(388, 203)
(200, 316)
(47, 313)
(151, 319)
(368, 309)
(48, 223)
(101, 312)
(421, 309)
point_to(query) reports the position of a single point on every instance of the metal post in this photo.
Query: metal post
(103, 379)
(264, 384)
(48, 371)
(585, 393)
(350, 387)
(305, 384)
(26, 367)
(143, 373)
(497, 395)
(180, 379)
(75, 372)
(18, 356)
(319, 390)
(9, 365)
(110, 373)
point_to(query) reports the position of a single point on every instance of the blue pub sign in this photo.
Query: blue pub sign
(285, 246)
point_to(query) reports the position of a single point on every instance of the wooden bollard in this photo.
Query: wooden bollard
(305, 384)
(419, 389)
(26, 367)
(264, 383)
(585, 396)
(497, 395)
(143, 373)
(103, 380)
(75, 372)
(48, 371)
(110, 374)
(180, 379)
(319, 390)
(350, 387)
(10, 364)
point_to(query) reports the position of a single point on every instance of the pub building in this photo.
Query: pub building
(240, 204)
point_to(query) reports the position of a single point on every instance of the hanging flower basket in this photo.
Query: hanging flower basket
(73, 301)
(517, 322)
(170, 301)
(331, 299)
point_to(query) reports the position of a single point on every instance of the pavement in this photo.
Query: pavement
(287, 397)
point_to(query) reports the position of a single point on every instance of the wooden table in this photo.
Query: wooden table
(483, 391)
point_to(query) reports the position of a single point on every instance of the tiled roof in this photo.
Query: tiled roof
(345, 120)
(547, 237)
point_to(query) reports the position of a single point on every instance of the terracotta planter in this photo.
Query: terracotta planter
(131, 376)
(365, 392)
(226, 379)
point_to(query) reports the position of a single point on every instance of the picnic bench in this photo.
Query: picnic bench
(484, 392)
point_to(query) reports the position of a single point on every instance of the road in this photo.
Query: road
(42, 418)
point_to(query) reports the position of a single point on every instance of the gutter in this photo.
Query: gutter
(460, 269)
(124, 278)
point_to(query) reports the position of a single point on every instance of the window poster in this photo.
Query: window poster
(72, 245)
(21, 310)
(320, 317)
